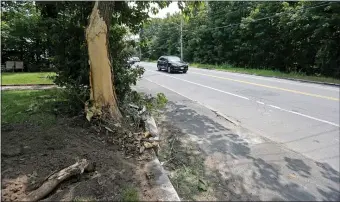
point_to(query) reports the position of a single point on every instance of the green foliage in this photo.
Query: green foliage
(75, 98)
(124, 76)
(130, 194)
(71, 59)
(151, 103)
(298, 37)
(52, 34)
(165, 42)
(155, 103)
(23, 37)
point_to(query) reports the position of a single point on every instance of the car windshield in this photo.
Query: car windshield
(174, 59)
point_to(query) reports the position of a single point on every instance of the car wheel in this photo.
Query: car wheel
(169, 69)
(159, 68)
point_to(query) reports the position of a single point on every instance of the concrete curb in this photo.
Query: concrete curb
(161, 184)
(291, 79)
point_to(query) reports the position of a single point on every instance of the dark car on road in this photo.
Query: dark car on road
(133, 60)
(172, 64)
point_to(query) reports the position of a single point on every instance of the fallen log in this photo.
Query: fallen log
(49, 184)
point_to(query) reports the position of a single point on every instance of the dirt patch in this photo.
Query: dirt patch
(185, 162)
(30, 154)
(193, 173)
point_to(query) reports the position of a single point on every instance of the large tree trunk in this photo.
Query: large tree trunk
(103, 92)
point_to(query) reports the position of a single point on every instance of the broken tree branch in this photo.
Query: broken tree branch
(53, 180)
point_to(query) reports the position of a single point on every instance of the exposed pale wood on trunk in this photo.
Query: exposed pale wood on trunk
(101, 79)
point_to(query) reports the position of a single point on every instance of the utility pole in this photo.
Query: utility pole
(181, 37)
(140, 40)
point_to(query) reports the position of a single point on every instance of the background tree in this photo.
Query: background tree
(51, 34)
(22, 35)
(284, 36)
(71, 56)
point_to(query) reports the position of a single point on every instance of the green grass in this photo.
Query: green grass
(32, 106)
(15, 78)
(130, 194)
(83, 199)
(269, 73)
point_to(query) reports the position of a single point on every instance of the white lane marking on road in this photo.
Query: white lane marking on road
(170, 89)
(304, 115)
(273, 79)
(205, 105)
(260, 102)
(273, 106)
(276, 107)
(207, 87)
(271, 87)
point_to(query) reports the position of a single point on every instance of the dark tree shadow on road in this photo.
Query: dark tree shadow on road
(265, 179)
(194, 123)
(298, 166)
(235, 148)
(331, 195)
(328, 172)
(269, 177)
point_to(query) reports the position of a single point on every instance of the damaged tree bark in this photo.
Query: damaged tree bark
(52, 181)
(103, 92)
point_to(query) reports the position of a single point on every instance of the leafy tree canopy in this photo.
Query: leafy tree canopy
(299, 36)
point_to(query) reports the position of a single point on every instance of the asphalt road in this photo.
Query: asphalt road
(300, 116)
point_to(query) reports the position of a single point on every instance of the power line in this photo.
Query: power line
(264, 18)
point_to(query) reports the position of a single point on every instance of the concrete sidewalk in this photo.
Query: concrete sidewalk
(241, 165)
(28, 87)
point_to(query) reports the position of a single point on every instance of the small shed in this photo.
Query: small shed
(14, 65)
(10, 65)
(19, 65)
